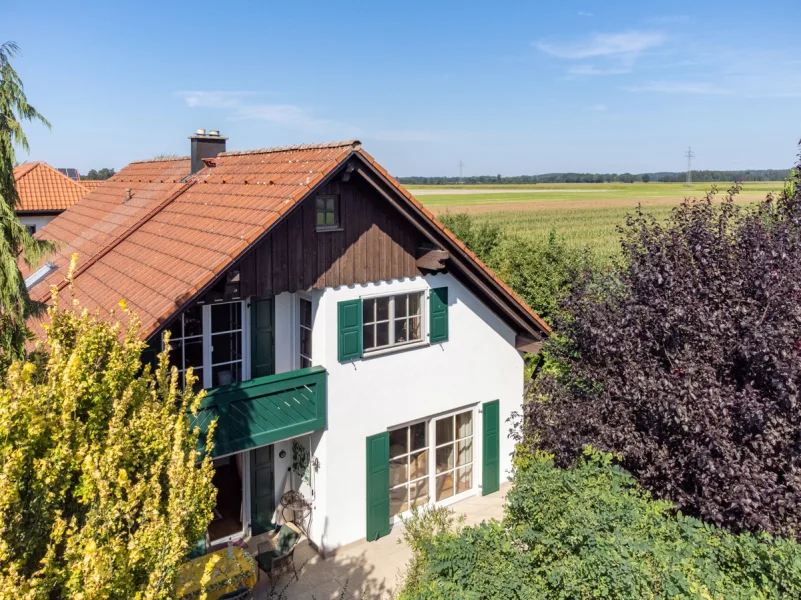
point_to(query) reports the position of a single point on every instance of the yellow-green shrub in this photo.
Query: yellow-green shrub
(101, 493)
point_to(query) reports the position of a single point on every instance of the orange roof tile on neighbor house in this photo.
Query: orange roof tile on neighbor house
(156, 235)
(91, 184)
(43, 189)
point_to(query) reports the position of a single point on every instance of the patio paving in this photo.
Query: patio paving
(366, 570)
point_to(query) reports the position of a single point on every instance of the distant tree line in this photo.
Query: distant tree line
(99, 175)
(670, 177)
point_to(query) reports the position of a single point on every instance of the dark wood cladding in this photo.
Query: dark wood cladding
(373, 244)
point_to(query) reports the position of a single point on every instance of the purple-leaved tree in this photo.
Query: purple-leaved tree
(685, 359)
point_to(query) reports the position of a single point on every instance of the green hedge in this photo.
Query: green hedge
(591, 532)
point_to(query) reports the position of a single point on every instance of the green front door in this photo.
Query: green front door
(262, 490)
(377, 486)
(262, 340)
(491, 454)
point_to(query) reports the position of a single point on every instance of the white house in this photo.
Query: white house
(356, 352)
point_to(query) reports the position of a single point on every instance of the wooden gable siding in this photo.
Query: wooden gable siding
(374, 244)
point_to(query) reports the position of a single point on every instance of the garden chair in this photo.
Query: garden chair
(278, 553)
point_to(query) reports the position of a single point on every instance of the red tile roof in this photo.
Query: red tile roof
(41, 188)
(155, 236)
(91, 184)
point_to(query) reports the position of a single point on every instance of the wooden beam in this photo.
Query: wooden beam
(432, 259)
(526, 344)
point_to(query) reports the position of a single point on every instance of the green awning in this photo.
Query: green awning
(264, 410)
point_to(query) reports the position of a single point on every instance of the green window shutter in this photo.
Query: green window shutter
(438, 315)
(491, 453)
(262, 490)
(377, 486)
(262, 361)
(349, 325)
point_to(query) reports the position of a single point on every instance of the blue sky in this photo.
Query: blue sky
(506, 87)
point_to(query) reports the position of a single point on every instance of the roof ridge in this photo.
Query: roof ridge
(52, 168)
(26, 168)
(166, 159)
(355, 144)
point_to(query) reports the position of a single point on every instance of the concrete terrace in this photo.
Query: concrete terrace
(368, 570)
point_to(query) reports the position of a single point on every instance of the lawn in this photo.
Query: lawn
(583, 214)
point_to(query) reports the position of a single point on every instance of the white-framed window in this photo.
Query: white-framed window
(389, 321)
(186, 342)
(408, 467)
(431, 461)
(212, 339)
(305, 332)
(227, 343)
(454, 454)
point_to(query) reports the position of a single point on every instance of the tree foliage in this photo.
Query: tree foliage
(539, 272)
(99, 175)
(15, 240)
(592, 532)
(663, 176)
(685, 360)
(101, 492)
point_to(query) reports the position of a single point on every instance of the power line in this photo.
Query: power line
(461, 166)
(689, 156)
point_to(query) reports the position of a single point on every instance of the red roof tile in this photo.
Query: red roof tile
(41, 188)
(155, 236)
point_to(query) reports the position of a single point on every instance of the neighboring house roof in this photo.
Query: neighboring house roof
(157, 236)
(43, 189)
(91, 184)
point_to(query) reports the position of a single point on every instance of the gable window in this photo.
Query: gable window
(327, 212)
(390, 321)
(305, 324)
(211, 339)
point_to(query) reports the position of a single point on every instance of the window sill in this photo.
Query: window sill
(329, 229)
(394, 349)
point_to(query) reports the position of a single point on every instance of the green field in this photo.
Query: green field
(582, 214)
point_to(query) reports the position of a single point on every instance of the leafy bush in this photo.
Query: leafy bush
(101, 491)
(684, 359)
(591, 532)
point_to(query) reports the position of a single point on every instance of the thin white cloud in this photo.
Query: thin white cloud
(630, 43)
(583, 13)
(598, 107)
(589, 70)
(245, 106)
(680, 87)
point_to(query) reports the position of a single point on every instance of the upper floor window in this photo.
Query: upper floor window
(327, 212)
(186, 341)
(31, 229)
(305, 322)
(210, 339)
(392, 320)
(226, 343)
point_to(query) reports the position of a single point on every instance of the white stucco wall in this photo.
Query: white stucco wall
(38, 220)
(477, 364)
